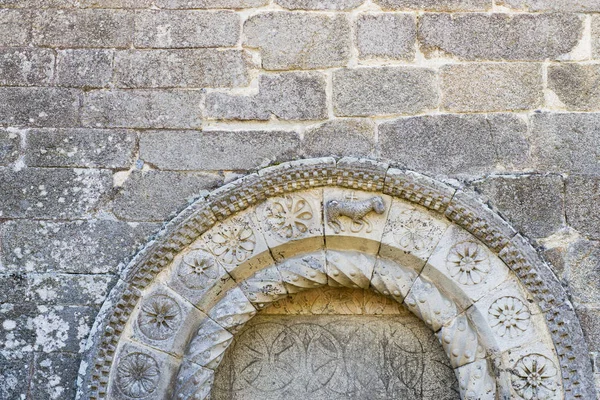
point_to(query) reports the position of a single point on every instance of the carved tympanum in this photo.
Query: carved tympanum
(357, 211)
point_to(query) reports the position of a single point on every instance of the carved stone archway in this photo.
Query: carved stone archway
(501, 315)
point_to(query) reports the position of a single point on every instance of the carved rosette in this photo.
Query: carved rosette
(534, 377)
(460, 342)
(468, 263)
(209, 344)
(289, 217)
(138, 375)
(232, 243)
(197, 270)
(159, 317)
(509, 317)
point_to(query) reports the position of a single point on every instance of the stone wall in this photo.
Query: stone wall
(114, 114)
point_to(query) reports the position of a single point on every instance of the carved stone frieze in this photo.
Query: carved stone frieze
(303, 272)
(349, 269)
(233, 311)
(390, 280)
(208, 344)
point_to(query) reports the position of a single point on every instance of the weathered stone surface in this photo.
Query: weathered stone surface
(210, 3)
(84, 67)
(217, 150)
(576, 86)
(500, 36)
(455, 144)
(556, 138)
(590, 323)
(156, 195)
(492, 87)
(52, 193)
(386, 36)
(342, 137)
(583, 195)
(143, 109)
(189, 28)
(552, 5)
(350, 343)
(319, 4)
(299, 40)
(596, 36)
(26, 67)
(181, 68)
(288, 96)
(9, 146)
(435, 5)
(43, 106)
(583, 272)
(83, 28)
(80, 148)
(15, 27)
(532, 203)
(367, 91)
(81, 247)
(54, 375)
(15, 376)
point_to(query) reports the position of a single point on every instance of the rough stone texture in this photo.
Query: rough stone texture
(576, 86)
(83, 28)
(552, 5)
(15, 27)
(142, 109)
(566, 142)
(81, 247)
(299, 40)
(596, 36)
(39, 106)
(590, 322)
(367, 91)
(386, 36)
(287, 96)
(319, 4)
(156, 195)
(492, 87)
(168, 29)
(181, 68)
(10, 142)
(583, 195)
(532, 203)
(91, 148)
(500, 36)
(52, 193)
(435, 5)
(53, 376)
(582, 272)
(453, 144)
(210, 3)
(218, 150)
(344, 137)
(26, 67)
(84, 68)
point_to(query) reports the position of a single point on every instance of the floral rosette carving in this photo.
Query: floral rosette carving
(509, 317)
(196, 269)
(159, 317)
(288, 217)
(533, 377)
(137, 375)
(468, 263)
(233, 244)
(413, 233)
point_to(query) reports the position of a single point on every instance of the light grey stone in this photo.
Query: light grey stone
(342, 137)
(186, 28)
(52, 193)
(80, 247)
(576, 86)
(492, 87)
(532, 203)
(590, 323)
(455, 144)
(42, 106)
(383, 90)
(181, 68)
(217, 150)
(583, 272)
(84, 67)
(566, 142)
(15, 376)
(156, 195)
(299, 40)
(386, 35)
(319, 4)
(143, 108)
(26, 67)
(54, 374)
(89, 148)
(15, 27)
(596, 36)
(210, 3)
(552, 5)
(83, 28)
(583, 195)
(10, 146)
(435, 5)
(497, 36)
(288, 96)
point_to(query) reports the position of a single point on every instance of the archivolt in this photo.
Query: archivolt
(499, 312)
